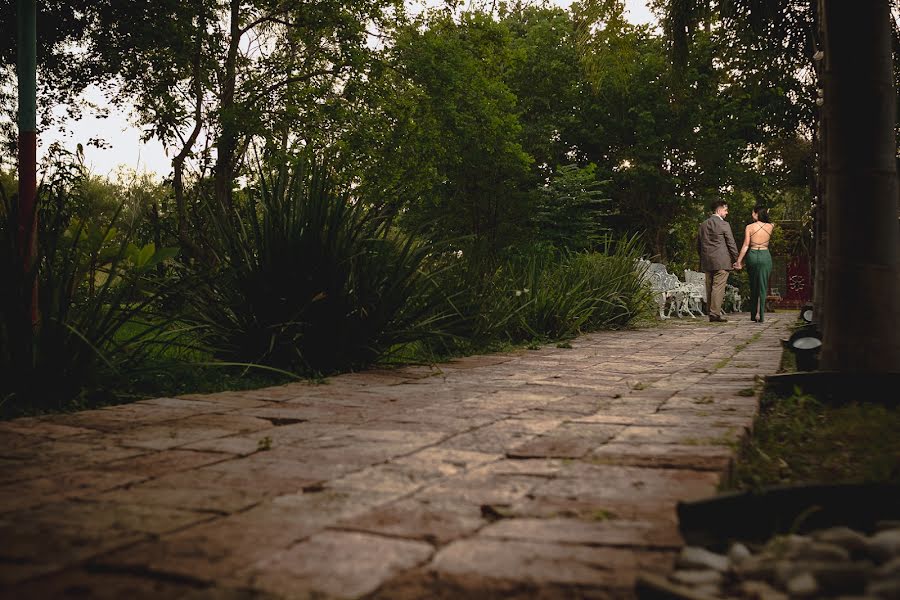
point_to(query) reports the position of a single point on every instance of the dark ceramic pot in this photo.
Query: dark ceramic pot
(756, 516)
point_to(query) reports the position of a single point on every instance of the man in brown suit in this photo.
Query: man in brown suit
(718, 253)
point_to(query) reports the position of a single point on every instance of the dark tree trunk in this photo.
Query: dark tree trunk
(862, 264)
(185, 239)
(226, 147)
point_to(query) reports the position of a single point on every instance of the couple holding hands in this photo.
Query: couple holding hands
(719, 255)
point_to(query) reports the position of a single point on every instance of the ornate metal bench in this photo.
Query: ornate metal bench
(663, 284)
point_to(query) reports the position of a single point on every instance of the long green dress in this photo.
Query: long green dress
(759, 267)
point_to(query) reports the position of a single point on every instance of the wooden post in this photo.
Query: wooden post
(27, 78)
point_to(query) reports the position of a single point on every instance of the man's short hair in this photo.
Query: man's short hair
(717, 205)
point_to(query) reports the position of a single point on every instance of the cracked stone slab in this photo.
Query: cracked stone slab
(98, 518)
(432, 522)
(73, 484)
(697, 435)
(716, 458)
(604, 532)
(547, 562)
(213, 550)
(84, 583)
(338, 564)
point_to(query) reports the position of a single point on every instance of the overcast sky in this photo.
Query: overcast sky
(127, 150)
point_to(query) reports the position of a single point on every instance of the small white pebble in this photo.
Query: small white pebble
(738, 552)
(696, 577)
(802, 585)
(852, 541)
(885, 545)
(694, 557)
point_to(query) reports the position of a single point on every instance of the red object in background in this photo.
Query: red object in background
(799, 283)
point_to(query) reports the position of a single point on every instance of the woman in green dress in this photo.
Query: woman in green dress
(759, 261)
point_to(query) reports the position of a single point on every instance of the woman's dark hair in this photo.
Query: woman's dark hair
(762, 213)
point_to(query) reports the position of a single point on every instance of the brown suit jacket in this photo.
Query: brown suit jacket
(715, 244)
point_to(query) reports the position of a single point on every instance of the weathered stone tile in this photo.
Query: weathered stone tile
(446, 461)
(605, 532)
(198, 405)
(668, 420)
(210, 551)
(340, 450)
(284, 434)
(570, 440)
(551, 563)
(389, 478)
(122, 417)
(116, 586)
(357, 434)
(537, 467)
(630, 492)
(433, 522)
(239, 445)
(494, 438)
(29, 541)
(443, 421)
(426, 583)
(39, 428)
(337, 564)
(157, 464)
(665, 456)
(582, 404)
(321, 414)
(73, 484)
(167, 435)
(79, 450)
(553, 446)
(227, 401)
(17, 571)
(480, 488)
(690, 436)
(322, 505)
(206, 489)
(99, 518)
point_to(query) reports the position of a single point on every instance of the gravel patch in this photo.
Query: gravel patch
(837, 562)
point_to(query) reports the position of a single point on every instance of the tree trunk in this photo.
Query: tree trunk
(862, 278)
(227, 143)
(185, 238)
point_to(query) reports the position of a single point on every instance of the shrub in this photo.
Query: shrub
(96, 297)
(541, 293)
(311, 279)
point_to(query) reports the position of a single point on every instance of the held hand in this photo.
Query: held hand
(737, 266)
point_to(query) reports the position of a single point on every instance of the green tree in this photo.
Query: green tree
(571, 208)
(467, 119)
(546, 77)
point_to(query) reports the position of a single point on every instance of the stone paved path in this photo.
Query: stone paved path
(551, 473)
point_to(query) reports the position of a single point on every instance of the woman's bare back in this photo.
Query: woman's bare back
(760, 234)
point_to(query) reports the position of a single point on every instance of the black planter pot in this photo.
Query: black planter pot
(754, 517)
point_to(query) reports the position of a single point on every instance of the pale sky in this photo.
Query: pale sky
(126, 148)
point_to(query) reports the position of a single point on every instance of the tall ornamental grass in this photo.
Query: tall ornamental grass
(97, 320)
(310, 279)
(543, 294)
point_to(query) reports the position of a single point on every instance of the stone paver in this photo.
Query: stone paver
(551, 473)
